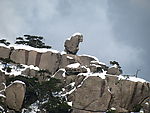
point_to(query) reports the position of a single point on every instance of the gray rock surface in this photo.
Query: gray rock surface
(97, 95)
(15, 93)
(32, 58)
(93, 95)
(4, 52)
(19, 56)
(67, 59)
(113, 71)
(72, 45)
(2, 81)
(50, 61)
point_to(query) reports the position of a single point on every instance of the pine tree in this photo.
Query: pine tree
(4, 41)
(33, 41)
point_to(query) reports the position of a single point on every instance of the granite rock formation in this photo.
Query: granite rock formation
(91, 86)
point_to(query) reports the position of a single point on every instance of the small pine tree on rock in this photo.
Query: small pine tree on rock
(4, 41)
(33, 41)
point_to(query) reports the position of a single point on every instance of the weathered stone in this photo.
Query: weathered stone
(32, 58)
(95, 68)
(4, 52)
(78, 80)
(30, 72)
(113, 71)
(50, 61)
(99, 64)
(15, 93)
(126, 94)
(70, 79)
(19, 56)
(2, 80)
(85, 60)
(75, 70)
(67, 59)
(72, 45)
(60, 74)
(93, 95)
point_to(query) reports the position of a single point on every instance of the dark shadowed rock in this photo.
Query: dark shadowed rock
(72, 45)
(2, 81)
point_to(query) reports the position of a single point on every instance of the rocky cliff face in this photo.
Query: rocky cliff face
(90, 85)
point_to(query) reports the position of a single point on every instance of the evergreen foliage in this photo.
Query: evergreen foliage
(33, 41)
(5, 42)
(47, 94)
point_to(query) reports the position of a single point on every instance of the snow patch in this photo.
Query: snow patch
(131, 78)
(69, 57)
(74, 65)
(147, 103)
(69, 92)
(16, 70)
(34, 107)
(115, 66)
(97, 62)
(113, 108)
(63, 53)
(77, 34)
(69, 103)
(2, 96)
(101, 75)
(18, 81)
(29, 48)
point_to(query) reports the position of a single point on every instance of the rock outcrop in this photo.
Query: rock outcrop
(15, 93)
(91, 86)
(99, 95)
(4, 52)
(50, 61)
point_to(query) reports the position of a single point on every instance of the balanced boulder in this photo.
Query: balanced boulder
(72, 44)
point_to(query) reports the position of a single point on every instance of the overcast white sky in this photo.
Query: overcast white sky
(112, 29)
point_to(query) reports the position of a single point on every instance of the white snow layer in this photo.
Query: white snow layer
(74, 65)
(97, 62)
(101, 75)
(77, 34)
(115, 66)
(69, 57)
(17, 71)
(134, 79)
(29, 48)
(2, 96)
(69, 103)
(18, 81)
